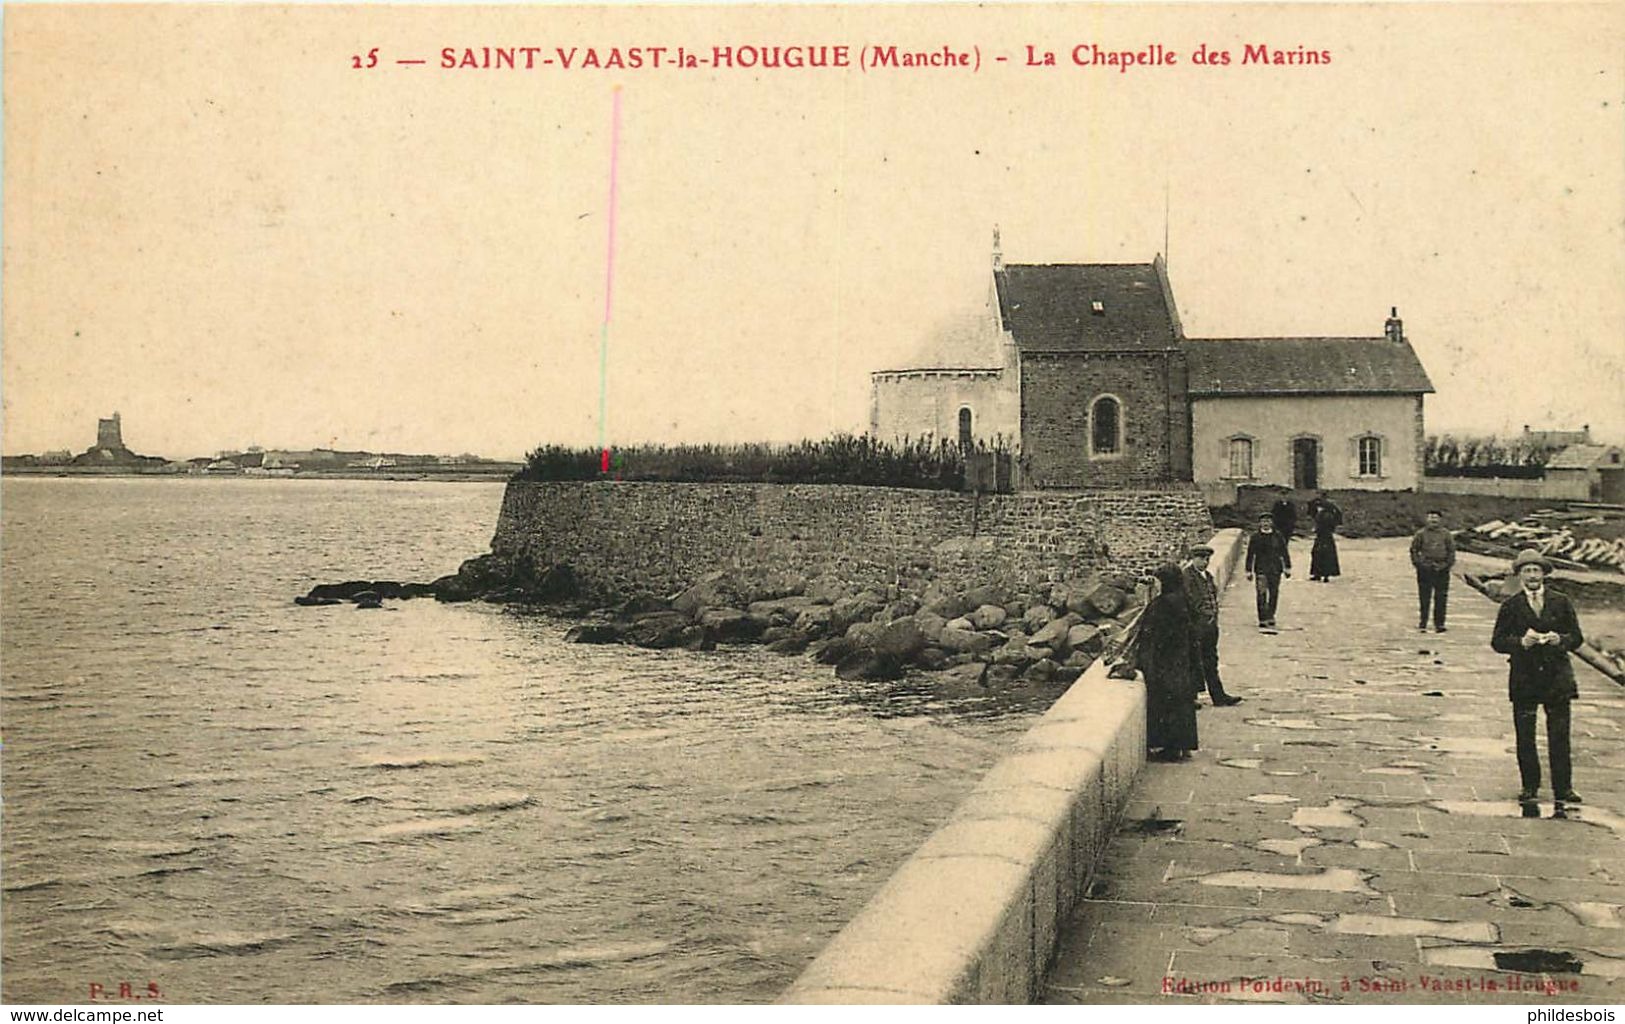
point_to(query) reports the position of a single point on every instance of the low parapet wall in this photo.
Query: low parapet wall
(973, 915)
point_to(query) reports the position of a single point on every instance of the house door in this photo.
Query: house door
(1305, 464)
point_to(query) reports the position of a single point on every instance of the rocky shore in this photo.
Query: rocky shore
(986, 635)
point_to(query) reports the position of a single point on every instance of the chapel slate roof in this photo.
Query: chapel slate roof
(1050, 307)
(1585, 456)
(1303, 366)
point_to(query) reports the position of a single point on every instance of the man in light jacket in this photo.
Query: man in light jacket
(1433, 552)
(1536, 629)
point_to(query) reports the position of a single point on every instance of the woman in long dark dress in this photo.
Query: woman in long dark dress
(1166, 654)
(1323, 556)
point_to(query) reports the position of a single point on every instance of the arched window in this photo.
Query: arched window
(1241, 458)
(1106, 426)
(965, 428)
(1370, 456)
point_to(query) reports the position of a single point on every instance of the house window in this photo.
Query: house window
(1371, 456)
(965, 428)
(1106, 426)
(1241, 458)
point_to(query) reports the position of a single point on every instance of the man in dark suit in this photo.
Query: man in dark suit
(1202, 594)
(1536, 629)
(1267, 561)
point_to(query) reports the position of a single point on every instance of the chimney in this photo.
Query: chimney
(998, 254)
(1394, 327)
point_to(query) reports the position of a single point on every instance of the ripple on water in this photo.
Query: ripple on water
(402, 762)
(423, 828)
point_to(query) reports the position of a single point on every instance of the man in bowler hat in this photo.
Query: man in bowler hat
(1536, 629)
(1202, 593)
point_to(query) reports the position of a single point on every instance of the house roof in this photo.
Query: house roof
(1303, 366)
(1586, 456)
(1051, 307)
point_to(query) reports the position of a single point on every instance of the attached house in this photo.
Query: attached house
(1084, 369)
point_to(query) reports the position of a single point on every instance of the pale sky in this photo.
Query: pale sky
(217, 227)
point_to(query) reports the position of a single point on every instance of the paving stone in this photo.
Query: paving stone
(1432, 883)
(1411, 793)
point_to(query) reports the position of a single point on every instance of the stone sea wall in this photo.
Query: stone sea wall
(624, 538)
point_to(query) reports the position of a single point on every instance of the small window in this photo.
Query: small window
(1098, 308)
(1241, 458)
(1371, 456)
(1106, 426)
(965, 428)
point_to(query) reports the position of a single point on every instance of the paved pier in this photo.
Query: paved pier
(1350, 833)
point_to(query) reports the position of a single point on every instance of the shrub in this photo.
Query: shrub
(922, 463)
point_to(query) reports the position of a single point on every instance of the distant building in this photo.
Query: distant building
(1085, 369)
(1555, 438)
(1593, 472)
(109, 434)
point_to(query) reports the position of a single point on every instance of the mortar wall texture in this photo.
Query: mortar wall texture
(626, 538)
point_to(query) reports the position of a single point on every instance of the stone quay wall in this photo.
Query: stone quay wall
(974, 914)
(624, 538)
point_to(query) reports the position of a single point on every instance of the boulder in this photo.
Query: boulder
(730, 625)
(961, 623)
(711, 591)
(341, 591)
(944, 602)
(761, 584)
(316, 602)
(1015, 609)
(658, 630)
(1037, 617)
(792, 644)
(1055, 632)
(932, 658)
(901, 640)
(814, 621)
(1068, 674)
(1040, 671)
(901, 608)
(1059, 594)
(988, 616)
(1014, 653)
(1079, 660)
(1086, 637)
(858, 608)
(474, 578)
(831, 651)
(696, 638)
(773, 634)
(593, 633)
(827, 589)
(965, 641)
(1038, 652)
(999, 676)
(780, 611)
(930, 624)
(986, 594)
(864, 634)
(868, 665)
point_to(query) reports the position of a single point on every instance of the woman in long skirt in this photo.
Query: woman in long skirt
(1166, 651)
(1323, 556)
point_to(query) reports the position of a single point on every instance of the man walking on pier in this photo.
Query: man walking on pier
(1203, 595)
(1537, 629)
(1267, 561)
(1433, 552)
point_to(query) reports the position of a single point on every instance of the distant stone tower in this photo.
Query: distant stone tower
(109, 434)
